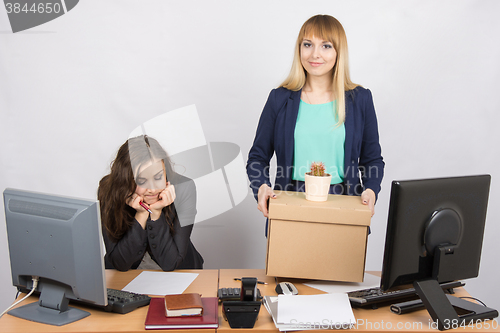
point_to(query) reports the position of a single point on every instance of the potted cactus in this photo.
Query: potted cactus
(317, 182)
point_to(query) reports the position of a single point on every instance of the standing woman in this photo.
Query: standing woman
(147, 210)
(318, 114)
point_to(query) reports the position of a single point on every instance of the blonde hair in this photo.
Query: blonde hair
(330, 29)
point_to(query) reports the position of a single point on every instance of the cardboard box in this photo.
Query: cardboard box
(317, 240)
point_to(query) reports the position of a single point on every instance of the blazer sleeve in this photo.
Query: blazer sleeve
(371, 162)
(128, 250)
(262, 149)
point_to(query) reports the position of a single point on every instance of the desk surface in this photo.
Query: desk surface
(380, 320)
(207, 283)
(99, 321)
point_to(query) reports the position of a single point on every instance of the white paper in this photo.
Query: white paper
(271, 304)
(160, 283)
(370, 281)
(325, 311)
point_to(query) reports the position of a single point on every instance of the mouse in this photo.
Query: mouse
(286, 288)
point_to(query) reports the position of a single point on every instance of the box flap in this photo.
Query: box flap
(341, 209)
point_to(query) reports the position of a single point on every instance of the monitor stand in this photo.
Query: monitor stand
(449, 311)
(52, 308)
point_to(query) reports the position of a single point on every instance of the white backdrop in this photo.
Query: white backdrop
(72, 90)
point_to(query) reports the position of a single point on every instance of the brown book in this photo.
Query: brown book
(183, 305)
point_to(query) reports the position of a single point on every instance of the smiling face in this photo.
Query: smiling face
(151, 181)
(317, 56)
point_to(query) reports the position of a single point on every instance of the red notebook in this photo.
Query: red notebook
(156, 319)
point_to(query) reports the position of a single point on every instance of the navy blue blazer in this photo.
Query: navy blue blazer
(363, 162)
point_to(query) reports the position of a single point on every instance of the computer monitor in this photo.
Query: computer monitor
(435, 234)
(57, 239)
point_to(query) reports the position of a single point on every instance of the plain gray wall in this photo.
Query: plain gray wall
(72, 90)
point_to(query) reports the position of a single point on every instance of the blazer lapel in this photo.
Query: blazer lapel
(292, 111)
(349, 132)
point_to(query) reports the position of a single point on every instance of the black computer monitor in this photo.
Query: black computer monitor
(435, 234)
(57, 239)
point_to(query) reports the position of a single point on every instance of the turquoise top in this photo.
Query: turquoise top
(317, 139)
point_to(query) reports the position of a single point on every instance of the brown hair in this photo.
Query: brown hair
(116, 188)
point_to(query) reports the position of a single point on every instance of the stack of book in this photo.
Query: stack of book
(183, 311)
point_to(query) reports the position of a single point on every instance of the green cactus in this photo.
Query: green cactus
(318, 169)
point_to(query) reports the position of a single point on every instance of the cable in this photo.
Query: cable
(35, 284)
(474, 299)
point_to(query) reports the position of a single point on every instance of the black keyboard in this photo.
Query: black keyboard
(374, 297)
(120, 301)
(233, 294)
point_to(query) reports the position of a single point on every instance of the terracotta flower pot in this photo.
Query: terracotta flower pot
(317, 187)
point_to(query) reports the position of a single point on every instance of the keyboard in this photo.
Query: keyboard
(120, 301)
(233, 294)
(374, 297)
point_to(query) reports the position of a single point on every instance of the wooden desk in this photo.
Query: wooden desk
(207, 283)
(99, 321)
(368, 320)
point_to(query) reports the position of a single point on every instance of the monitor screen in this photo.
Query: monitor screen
(59, 240)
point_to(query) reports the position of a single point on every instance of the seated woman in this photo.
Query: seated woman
(147, 210)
